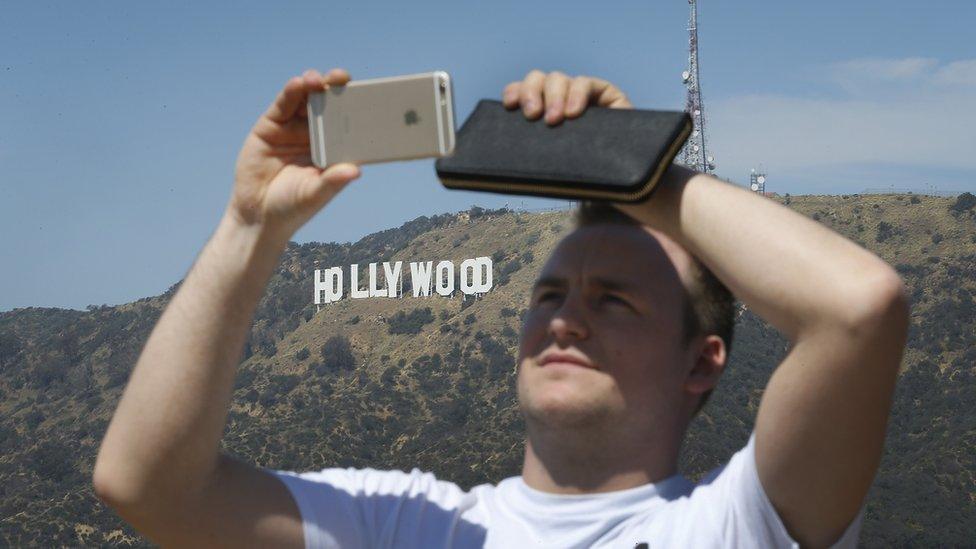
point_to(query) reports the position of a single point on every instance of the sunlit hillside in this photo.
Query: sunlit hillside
(429, 382)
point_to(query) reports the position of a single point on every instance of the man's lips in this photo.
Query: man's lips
(565, 358)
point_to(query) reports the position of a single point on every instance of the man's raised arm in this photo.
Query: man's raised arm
(159, 465)
(821, 423)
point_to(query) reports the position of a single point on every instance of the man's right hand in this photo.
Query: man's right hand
(276, 186)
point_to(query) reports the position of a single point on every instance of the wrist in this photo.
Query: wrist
(263, 235)
(253, 243)
(661, 210)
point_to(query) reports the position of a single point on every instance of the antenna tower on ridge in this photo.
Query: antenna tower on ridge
(694, 154)
(757, 181)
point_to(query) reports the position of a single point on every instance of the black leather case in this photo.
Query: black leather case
(604, 154)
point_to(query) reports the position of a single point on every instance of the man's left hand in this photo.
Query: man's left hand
(559, 96)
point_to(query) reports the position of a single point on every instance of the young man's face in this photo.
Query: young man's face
(612, 298)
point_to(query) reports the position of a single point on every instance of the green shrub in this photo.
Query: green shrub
(410, 323)
(245, 378)
(283, 384)
(337, 354)
(885, 231)
(965, 201)
(507, 269)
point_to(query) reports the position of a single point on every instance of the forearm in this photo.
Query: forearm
(790, 270)
(163, 439)
(820, 426)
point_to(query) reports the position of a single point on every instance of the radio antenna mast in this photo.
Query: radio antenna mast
(694, 154)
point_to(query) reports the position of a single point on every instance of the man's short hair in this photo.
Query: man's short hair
(709, 307)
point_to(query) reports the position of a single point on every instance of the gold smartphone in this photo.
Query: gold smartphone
(382, 119)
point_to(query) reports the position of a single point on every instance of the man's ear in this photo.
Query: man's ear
(708, 366)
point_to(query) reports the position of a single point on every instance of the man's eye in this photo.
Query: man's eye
(607, 298)
(547, 296)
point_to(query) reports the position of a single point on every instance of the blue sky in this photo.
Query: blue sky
(120, 122)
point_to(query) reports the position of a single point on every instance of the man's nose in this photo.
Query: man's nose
(569, 320)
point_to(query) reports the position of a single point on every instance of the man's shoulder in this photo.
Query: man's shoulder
(717, 489)
(738, 463)
(365, 506)
(369, 481)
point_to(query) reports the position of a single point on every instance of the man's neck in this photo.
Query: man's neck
(568, 463)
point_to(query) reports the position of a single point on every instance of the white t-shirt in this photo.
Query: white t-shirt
(371, 508)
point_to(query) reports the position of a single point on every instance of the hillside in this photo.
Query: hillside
(435, 389)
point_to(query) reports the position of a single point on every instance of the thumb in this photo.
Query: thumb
(339, 174)
(332, 180)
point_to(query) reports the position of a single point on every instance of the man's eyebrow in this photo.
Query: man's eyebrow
(550, 282)
(604, 283)
(613, 285)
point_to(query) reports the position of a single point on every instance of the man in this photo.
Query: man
(619, 348)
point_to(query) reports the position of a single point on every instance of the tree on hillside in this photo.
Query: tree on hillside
(965, 201)
(337, 354)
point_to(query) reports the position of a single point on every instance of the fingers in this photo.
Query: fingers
(530, 94)
(607, 95)
(558, 96)
(291, 99)
(291, 132)
(554, 96)
(288, 100)
(540, 93)
(579, 96)
(510, 95)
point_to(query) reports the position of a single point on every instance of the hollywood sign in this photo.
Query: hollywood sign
(425, 280)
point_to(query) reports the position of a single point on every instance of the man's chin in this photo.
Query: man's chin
(564, 407)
